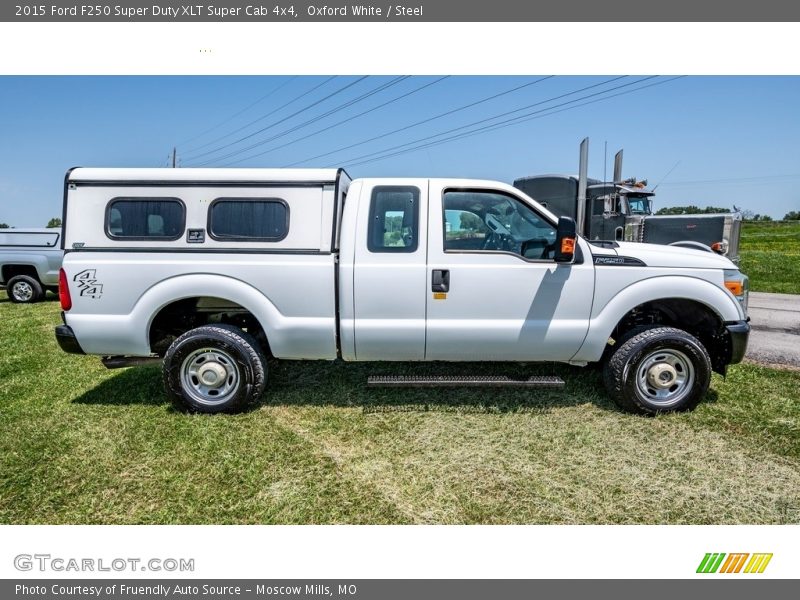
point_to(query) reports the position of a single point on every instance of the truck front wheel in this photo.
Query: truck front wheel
(657, 371)
(214, 368)
(24, 289)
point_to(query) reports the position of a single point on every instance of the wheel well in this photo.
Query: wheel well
(178, 317)
(688, 315)
(10, 271)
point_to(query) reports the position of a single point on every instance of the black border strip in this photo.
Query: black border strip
(195, 250)
(336, 188)
(197, 183)
(64, 207)
(334, 249)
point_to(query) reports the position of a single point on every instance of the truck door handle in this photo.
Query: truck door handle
(441, 280)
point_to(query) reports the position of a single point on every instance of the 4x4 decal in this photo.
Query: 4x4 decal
(88, 284)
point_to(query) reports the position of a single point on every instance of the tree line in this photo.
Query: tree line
(54, 222)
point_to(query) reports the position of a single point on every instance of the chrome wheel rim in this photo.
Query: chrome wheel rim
(665, 377)
(210, 376)
(22, 291)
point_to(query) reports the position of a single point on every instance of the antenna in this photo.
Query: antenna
(665, 176)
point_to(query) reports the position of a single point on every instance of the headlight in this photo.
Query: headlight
(738, 284)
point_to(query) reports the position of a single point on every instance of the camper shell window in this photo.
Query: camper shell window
(248, 219)
(145, 219)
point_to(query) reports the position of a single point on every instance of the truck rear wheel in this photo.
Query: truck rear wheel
(24, 289)
(214, 368)
(657, 371)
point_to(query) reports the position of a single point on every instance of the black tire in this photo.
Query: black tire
(226, 357)
(24, 289)
(609, 350)
(658, 370)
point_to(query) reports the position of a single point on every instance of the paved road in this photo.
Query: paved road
(775, 337)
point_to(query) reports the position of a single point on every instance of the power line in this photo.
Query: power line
(500, 115)
(757, 179)
(418, 123)
(523, 118)
(342, 122)
(382, 87)
(236, 114)
(284, 119)
(675, 166)
(262, 117)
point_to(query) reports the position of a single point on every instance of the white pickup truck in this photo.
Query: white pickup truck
(29, 263)
(211, 270)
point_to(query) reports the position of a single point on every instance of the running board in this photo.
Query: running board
(538, 381)
(120, 362)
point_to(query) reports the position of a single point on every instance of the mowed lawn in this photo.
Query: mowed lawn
(770, 256)
(80, 444)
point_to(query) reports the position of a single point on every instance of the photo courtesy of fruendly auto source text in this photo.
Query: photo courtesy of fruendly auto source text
(439, 299)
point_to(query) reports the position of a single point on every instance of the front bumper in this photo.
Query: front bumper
(67, 340)
(738, 333)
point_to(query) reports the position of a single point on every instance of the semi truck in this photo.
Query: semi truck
(210, 271)
(623, 210)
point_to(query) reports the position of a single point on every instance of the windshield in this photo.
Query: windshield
(638, 205)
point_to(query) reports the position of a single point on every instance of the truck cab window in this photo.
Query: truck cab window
(639, 205)
(393, 219)
(495, 221)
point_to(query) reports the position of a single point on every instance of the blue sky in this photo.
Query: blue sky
(734, 139)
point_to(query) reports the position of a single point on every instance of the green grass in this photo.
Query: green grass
(770, 256)
(79, 444)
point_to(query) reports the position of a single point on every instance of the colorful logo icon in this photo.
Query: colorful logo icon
(734, 563)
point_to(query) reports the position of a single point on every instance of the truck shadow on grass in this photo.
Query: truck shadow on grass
(136, 385)
(320, 383)
(48, 297)
(298, 384)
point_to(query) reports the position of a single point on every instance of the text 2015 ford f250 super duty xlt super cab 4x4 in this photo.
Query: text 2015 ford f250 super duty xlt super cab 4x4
(211, 270)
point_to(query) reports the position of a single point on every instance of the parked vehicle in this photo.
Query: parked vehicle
(623, 210)
(29, 263)
(211, 270)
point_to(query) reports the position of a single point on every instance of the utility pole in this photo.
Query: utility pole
(174, 156)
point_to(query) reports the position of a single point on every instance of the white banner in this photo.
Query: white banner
(371, 552)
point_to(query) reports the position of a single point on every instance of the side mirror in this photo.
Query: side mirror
(566, 238)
